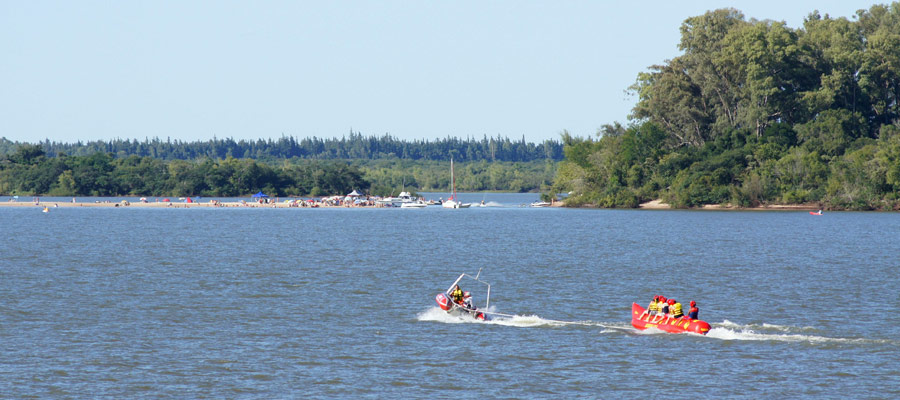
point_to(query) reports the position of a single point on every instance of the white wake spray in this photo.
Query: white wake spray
(728, 330)
(725, 330)
(435, 314)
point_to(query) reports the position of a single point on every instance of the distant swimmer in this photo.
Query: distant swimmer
(46, 209)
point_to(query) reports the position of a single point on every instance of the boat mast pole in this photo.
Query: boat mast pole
(453, 179)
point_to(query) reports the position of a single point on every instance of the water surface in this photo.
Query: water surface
(326, 303)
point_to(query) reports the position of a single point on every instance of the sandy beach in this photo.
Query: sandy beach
(650, 205)
(161, 204)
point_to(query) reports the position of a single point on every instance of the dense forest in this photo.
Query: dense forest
(356, 146)
(755, 113)
(29, 171)
(283, 167)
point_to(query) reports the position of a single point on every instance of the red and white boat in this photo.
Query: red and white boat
(466, 308)
(816, 213)
(665, 323)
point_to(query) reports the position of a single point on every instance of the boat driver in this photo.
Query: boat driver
(467, 300)
(457, 295)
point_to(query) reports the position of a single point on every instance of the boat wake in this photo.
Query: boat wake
(725, 330)
(435, 314)
(728, 330)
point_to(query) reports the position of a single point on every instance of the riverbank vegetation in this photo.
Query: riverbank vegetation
(755, 113)
(284, 167)
(354, 146)
(29, 171)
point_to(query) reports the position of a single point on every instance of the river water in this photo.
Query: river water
(339, 303)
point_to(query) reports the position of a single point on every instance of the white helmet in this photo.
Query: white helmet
(467, 294)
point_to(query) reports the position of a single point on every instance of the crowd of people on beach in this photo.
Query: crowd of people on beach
(256, 201)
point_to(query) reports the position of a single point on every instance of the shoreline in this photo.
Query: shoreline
(650, 205)
(659, 205)
(179, 204)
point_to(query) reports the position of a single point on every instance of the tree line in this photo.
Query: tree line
(353, 146)
(29, 171)
(753, 113)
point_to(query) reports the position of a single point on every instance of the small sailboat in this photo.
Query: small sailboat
(453, 202)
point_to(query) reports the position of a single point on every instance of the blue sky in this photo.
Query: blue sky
(88, 70)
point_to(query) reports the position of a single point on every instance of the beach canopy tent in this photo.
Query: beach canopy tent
(260, 194)
(354, 193)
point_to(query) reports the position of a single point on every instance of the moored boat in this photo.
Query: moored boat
(453, 201)
(414, 204)
(684, 324)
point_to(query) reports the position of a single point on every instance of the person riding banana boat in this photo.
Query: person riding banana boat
(668, 308)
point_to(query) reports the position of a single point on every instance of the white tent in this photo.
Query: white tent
(354, 193)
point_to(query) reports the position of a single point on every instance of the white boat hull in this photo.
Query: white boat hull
(455, 204)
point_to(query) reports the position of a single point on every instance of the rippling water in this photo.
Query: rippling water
(270, 303)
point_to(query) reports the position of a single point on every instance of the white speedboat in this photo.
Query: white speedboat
(414, 204)
(466, 305)
(540, 204)
(398, 201)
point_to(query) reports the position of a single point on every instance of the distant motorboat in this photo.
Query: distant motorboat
(399, 201)
(540, 204)
(414, 204)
